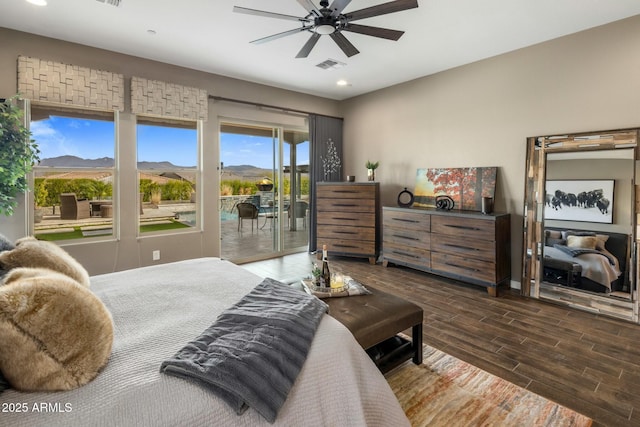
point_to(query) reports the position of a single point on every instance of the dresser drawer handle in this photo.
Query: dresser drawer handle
(344, 205)
(406, 237)
(461, 267)
(464, 227)
(406, 254)
(463, 247)
(405, 220)
(345, 219)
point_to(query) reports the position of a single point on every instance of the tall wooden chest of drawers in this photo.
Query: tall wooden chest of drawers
(466, 246)
(348, 218)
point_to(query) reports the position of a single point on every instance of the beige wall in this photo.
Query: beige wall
(475, 115)
(482, 113)
(130, 250)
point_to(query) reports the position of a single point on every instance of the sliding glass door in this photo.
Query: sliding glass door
(264, 190)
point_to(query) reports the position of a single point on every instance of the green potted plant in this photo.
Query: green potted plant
(316, 272)
(18, 154)
(371, 170)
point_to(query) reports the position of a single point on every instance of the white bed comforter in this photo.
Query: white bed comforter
(156, 310)
(594, 266)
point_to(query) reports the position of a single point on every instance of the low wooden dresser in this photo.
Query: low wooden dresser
(348, 218)
(462, 245)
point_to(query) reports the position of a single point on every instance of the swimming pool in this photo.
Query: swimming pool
(189, 217)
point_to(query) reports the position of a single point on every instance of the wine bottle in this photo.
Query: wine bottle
(326, 274)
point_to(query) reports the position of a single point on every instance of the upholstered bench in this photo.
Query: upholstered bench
(375, 320)
(569, 272)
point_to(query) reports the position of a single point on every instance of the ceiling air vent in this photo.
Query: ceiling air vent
(115, 3)
(331, 64)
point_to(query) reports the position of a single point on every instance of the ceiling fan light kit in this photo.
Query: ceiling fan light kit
(325, 29)
(329, 20)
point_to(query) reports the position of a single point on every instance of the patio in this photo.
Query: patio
(246, 244)
(238, 246)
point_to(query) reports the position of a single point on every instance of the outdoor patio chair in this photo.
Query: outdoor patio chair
(247, 211)
(301, 208)
(254, 200)
(270, 213)
(73, 208)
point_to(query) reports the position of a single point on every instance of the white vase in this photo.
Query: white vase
(371, 174)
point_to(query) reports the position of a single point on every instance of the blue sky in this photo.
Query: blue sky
(256, 150)
(93, 139)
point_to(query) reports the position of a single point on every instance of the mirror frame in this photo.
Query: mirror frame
(534, 196)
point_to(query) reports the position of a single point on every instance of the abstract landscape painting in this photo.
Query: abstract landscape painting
(465, 186)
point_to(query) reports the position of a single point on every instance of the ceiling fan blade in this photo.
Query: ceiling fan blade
(306, 49)
(383, 33)
(344, 44)
(255, 12)
(280, 35)
(338, 6)
(309, 7)
(382, 9)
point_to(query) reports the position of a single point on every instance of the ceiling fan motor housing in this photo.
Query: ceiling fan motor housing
(325, 25)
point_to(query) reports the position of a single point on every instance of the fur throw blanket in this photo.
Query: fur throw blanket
(55, 334)
(34, 253)
(5, 245)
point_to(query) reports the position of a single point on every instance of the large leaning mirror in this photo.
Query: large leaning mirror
(580, 221)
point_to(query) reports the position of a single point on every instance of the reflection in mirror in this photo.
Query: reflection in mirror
(580, 222)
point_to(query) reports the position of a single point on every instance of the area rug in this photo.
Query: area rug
(445, 391)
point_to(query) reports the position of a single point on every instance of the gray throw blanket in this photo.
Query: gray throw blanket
(574, 252)
(252, 354)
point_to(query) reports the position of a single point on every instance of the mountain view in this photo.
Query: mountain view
(240, 172)
(103, 162)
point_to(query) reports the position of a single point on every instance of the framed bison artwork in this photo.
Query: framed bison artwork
(579, 200)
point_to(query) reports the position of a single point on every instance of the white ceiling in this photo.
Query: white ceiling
(207, 35)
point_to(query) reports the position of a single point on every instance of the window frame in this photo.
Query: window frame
(80, 113)
(196, 171)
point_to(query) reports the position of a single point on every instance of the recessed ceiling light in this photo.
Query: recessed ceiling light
(38, 2)
(342, 83)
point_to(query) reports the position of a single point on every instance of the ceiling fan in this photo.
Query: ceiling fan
(329, 20)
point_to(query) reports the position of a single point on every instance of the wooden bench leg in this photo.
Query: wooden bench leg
(416, 343)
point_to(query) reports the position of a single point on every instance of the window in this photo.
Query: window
(73, 183)
(167, 174)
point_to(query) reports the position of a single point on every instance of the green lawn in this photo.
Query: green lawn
(77, 232)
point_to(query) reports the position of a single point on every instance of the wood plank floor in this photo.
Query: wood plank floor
(584, 361)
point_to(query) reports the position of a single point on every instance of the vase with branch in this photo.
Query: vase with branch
(371, 170)
(331, 162)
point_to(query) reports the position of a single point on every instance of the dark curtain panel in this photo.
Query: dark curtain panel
(322, 129)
